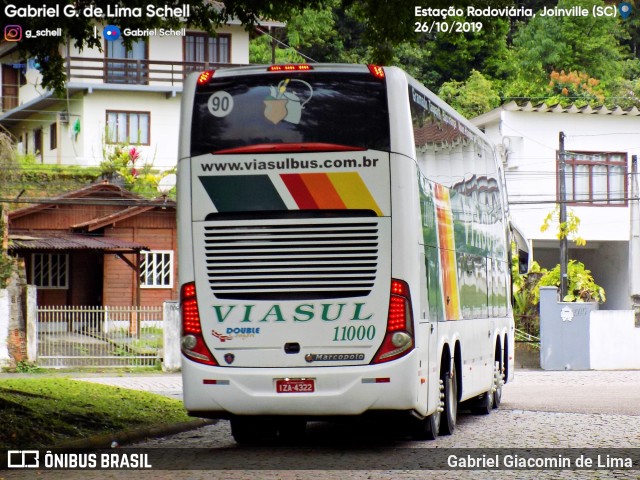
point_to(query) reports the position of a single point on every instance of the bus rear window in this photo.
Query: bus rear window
(347, 110)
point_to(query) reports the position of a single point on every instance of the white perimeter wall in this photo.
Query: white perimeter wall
(614, 341)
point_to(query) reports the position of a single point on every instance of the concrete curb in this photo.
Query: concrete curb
(134, 435)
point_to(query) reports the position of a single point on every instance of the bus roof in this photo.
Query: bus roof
(314, 67)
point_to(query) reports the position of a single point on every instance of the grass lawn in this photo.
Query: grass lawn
(43, 412)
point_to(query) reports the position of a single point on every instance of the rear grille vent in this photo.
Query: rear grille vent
(277, 261)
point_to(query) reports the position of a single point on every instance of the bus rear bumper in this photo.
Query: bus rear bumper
(220, 392)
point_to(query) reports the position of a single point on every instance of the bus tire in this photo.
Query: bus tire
(427, 428)
(484, 402)
(450, 412)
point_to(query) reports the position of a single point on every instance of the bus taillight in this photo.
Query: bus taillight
(376, 71)
(398, 340)
(204, 77)
(303, 67)
(192, 342)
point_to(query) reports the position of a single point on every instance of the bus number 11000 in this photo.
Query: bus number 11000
(350, 333)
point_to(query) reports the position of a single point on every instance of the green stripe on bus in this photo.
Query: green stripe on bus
(242, 193)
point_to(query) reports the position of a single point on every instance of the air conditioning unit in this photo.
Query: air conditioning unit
(63, 117)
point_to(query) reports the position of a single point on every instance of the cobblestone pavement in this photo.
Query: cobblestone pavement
(556, 410)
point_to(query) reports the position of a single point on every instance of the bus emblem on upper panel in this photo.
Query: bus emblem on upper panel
(287, 105)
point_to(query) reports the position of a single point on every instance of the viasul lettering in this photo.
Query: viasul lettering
(304, 312)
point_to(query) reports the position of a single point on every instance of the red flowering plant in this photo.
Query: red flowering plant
(124, 165)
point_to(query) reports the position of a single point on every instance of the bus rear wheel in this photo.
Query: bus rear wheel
(484, 403)
(427, 428)
(450, 413)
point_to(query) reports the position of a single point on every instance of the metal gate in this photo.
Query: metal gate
(79, 336)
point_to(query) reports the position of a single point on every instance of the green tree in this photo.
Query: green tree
(455, 55)
(327, 34)
(567, 229)
(632, 38)
(471, 98)
(590, 45)
(261, 52)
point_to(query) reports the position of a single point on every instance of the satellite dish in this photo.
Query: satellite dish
(166, 184)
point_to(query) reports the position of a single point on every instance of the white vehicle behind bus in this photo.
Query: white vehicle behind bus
(343, 250)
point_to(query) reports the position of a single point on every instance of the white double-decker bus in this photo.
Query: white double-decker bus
(343, 250)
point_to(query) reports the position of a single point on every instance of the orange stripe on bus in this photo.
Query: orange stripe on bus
(323, 191)
(447, 253)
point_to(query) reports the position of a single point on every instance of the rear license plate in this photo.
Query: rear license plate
(296, 385)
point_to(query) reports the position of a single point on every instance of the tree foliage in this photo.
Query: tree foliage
(588, 46)
(79, 30)
(526, 291)
(471, 98)
(581, 285)
(567, 229)
(519, 56)
(571, 43)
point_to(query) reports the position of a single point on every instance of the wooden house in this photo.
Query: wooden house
(100, 245)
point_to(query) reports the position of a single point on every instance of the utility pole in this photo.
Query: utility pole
(564, 260)
(634, 240)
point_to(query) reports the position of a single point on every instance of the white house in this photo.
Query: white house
(600, 144)
(113, 95)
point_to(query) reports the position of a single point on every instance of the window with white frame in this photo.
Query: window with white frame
(156, 269)
(50, 270)
(201, 48)
(596, 178)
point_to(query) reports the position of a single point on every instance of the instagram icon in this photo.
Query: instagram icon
(13, 33)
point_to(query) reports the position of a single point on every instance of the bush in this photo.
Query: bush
(581, 286)
(526, 291)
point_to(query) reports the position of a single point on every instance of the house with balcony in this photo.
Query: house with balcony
(599, 147)
(114, 96)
